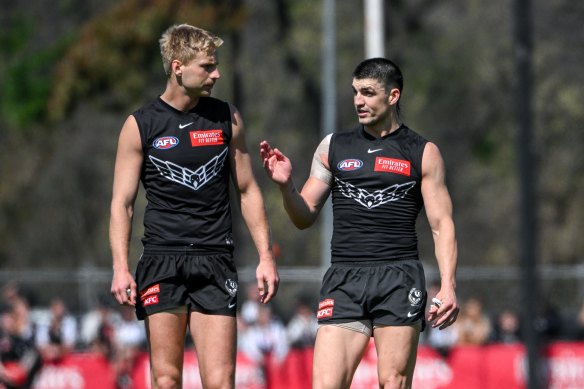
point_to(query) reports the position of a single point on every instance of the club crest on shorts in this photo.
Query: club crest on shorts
(415, 296)
(231, 287)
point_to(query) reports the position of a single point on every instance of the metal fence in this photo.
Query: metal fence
(496, 287)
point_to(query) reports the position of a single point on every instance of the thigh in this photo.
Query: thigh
(337, 353)
(397, 296)
(396, 351)
(215, 340)
(212, 284)
(166, 337)
(341, 294)
(159, 285)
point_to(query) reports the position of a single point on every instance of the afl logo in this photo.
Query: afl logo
(348, 165)
(165, 143)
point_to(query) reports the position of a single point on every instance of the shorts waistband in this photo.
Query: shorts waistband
(188, 249)
(374, 263)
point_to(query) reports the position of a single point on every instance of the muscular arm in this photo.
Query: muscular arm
(126, 179)
(302, 207)
(439, 212)
(252, 209)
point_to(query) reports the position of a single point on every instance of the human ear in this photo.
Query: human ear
(394, 95)
(176, 67)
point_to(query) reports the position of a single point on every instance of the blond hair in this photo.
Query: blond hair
(183, 42)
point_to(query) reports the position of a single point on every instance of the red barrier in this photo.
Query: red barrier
(249, 375)
(488, 367)
(87, 371)
(294, 372)
(565, 365)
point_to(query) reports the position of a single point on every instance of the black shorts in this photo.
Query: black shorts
(388, 293)
(173, 277)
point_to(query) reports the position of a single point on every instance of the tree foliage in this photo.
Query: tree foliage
(67, 91)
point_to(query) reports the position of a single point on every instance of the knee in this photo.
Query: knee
(219, 379)
(395, 380)
(167, 382)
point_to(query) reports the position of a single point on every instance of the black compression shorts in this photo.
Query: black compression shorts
(173, 277)
(388, 293)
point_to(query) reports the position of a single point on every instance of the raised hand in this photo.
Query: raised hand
(277, 166)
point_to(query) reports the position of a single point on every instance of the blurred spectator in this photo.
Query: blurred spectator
(129, 333)
(56, 336)
(506, 328)
(13, 296)
(579, 327)
(251, 305)
(19, 359)
(97, 327)
(265, 338)
(441, 340)
(473, 326)
(548, 322)
(129, 341)
(10, 292)
(24, 325)
(302, 326)
(242, 328)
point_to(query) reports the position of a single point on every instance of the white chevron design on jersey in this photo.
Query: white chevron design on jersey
(193, 179)
(377, 198)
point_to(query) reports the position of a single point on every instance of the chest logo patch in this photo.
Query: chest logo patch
(392, 165)
(348, 165)
(165, 142)
(206, 137)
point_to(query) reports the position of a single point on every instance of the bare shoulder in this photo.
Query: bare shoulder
(432, 151)
(130, 122)
(236, 121)
(238, 151)
(130, 133)
(432, 161)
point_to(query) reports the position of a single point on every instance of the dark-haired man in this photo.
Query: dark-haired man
(380, 174)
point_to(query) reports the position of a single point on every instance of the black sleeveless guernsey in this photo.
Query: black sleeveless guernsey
(186, 174)
(376, 194)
